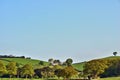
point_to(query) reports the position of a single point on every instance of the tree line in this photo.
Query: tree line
(12, 70)
(12, 56)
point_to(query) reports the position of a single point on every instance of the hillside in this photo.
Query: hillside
(35, 63)
(23, 61)
(112, 57)
(79, 66)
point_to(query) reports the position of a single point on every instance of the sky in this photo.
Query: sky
(60, 29)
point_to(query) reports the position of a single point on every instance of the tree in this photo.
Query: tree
(51, 61)
(2, 68)
(68, 72)
(69, 62)
(11, 69)
(47, 72)
(41, 63)
(114, 53)
(27, 70)
(113, 69)
(56, 62)
(59, 73)
(95, 67)
(38, 72)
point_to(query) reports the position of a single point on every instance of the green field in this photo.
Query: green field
(79, 66)
(22, 61)
(111, 78)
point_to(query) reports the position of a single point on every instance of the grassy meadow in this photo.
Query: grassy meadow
(23, 61)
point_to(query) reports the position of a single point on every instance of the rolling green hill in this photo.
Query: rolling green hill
(79, 66)
(35, 63)
(23, 61)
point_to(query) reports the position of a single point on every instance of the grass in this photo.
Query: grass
(79, 66)
(111, 78)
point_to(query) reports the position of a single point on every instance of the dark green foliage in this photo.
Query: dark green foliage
(59, 73)
(113, 69)
(69, 62)
(38, 72)
(41, 62)
(114, 53)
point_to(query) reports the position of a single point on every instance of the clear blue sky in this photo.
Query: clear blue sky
(60, 29)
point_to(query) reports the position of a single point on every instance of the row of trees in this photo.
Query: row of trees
(27, 70)
(11, 56)
(12, 70)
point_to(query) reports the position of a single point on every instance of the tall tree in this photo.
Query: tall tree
(68, 72)
(2, 68)
(47, 72)
(114, 53)
(12, 69)
(69, 62)
(50, 61)
(95, 67)
(27, 70)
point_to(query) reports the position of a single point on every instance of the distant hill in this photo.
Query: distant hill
(23, 61)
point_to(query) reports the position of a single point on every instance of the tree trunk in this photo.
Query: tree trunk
(10, 77)
(26, 77)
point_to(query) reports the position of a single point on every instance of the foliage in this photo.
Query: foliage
(38, 72)
(12, 69)
(59, 73)
(50, 61)
(47, 72)
(113, 69)
(2, 68)
(27, 70)
(114, 53)
(95, 67)
(57, 67)
(41, 62)
(68, 72)
(69, 61)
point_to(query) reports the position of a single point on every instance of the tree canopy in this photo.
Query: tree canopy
(95, 67)
(27, 70)
(12, 69)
